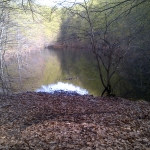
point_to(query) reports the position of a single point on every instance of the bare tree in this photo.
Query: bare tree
(8, 33)
(108, 49)
(4, 25)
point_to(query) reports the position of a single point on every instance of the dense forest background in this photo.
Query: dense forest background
(116, 32)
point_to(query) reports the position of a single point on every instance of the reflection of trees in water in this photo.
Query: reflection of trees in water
(52, 71)
(80, 67)
(25, 70)
(50, 66)
(4, 76)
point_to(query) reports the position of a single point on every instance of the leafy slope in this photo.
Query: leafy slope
(44, 121)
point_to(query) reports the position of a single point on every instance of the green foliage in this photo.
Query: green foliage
(31, 25)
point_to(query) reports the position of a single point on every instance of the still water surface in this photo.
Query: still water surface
(69, 70)
(50, 70)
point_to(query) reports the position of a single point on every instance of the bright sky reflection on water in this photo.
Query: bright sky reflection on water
(62, 86)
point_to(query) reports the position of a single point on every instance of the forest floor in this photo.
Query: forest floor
(42, 121)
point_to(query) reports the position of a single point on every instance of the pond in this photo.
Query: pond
(50, 70)
(75, 69)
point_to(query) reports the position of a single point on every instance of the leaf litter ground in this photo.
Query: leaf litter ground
(42, 121)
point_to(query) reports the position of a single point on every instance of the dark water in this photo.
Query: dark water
(50, 70)
(70, 70)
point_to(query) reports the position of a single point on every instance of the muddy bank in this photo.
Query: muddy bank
(59, 46)
(58, 121)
